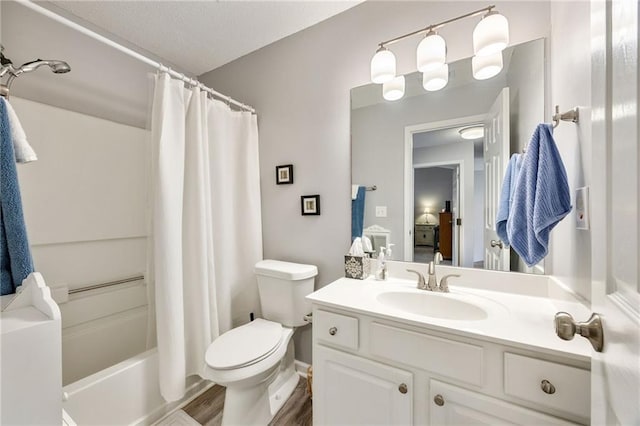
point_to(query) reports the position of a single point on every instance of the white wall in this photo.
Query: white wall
(85, 208)
(526, 82)
(570, 254)
(300, 87)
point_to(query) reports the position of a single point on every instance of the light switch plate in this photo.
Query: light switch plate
(381, 211)
(582, 208)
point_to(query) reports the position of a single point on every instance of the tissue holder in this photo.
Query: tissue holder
(357, 267)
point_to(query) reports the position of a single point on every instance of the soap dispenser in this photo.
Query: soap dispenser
(381, 267)
(389, 253)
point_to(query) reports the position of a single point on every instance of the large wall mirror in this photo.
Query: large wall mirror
(431, 185)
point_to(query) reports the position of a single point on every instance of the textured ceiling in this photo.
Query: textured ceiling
(200, 36)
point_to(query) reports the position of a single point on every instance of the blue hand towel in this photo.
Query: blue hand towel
(15, 256)
(506, 197)
(357, 214)
(541, 197)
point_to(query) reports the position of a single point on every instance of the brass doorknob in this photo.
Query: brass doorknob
(566, 328)
(403, 388)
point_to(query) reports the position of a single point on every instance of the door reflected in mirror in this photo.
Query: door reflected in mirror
(437, 159)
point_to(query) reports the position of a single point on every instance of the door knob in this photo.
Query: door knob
(498, 243)
(566, 328)
(333, 331)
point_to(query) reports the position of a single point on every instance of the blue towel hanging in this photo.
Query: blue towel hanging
(506, 196)
(15, 256)
(357, 214)
(541, 197)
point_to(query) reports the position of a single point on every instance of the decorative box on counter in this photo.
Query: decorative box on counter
(357, 267)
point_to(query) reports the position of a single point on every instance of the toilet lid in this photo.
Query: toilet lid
(244, 345)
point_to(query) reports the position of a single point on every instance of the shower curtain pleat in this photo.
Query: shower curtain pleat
(206, 192)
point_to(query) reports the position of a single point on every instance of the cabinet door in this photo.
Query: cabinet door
(457, 406)
(446, 233)
(348, 390)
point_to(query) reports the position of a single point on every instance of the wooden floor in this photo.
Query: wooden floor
(206, 409)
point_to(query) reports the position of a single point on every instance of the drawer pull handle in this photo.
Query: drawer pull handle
(333, 331)
(547, 387)
(403, 388)
(439, 400)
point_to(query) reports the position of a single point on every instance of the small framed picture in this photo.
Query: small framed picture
(310, 205)
(284, 174)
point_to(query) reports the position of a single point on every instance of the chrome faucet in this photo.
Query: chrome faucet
(422, 284)
(444, 285)
(432, 283)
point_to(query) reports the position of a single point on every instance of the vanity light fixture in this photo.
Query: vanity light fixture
(436, 79)
(485, 67)
(394, 89)
(431, 53)
(472, 132)
(490, 37)
(383, 66)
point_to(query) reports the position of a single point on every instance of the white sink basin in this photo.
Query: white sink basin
(435, 305)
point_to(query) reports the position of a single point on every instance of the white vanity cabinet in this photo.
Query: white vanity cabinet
(374, 370)
(356, 391)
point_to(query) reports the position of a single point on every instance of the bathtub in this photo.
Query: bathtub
(127, 393)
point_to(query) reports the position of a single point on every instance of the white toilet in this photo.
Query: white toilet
(256, 361)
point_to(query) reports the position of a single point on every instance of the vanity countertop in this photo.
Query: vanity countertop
(515, 319)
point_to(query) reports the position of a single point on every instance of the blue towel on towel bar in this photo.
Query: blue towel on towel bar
(15, 256)
(357, 214)
(506, 196)
(541, 197)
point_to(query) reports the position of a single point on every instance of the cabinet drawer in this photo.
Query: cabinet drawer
(337, 329)
(456, 360)
(523, 377)
(451, 405)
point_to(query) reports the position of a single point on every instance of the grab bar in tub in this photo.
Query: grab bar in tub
(107, 284)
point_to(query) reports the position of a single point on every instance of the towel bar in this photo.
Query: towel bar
(571, 115)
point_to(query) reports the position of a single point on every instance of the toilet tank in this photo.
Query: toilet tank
(283, 287)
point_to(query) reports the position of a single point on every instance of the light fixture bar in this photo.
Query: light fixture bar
(437, 26)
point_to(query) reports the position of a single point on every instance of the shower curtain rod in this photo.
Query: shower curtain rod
(193, 82)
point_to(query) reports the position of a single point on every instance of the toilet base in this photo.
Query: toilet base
(258, 404)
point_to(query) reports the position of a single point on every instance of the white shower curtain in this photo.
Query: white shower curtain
(206, 228)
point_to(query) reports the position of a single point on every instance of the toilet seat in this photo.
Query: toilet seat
(244, 345)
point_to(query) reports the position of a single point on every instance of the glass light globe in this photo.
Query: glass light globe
(431, 52)
(485, 67)
(435, 79)
(394, 89)
(491, 35)
(472, 132)
(383, 66)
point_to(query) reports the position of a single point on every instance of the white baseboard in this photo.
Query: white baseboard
(301, 368)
